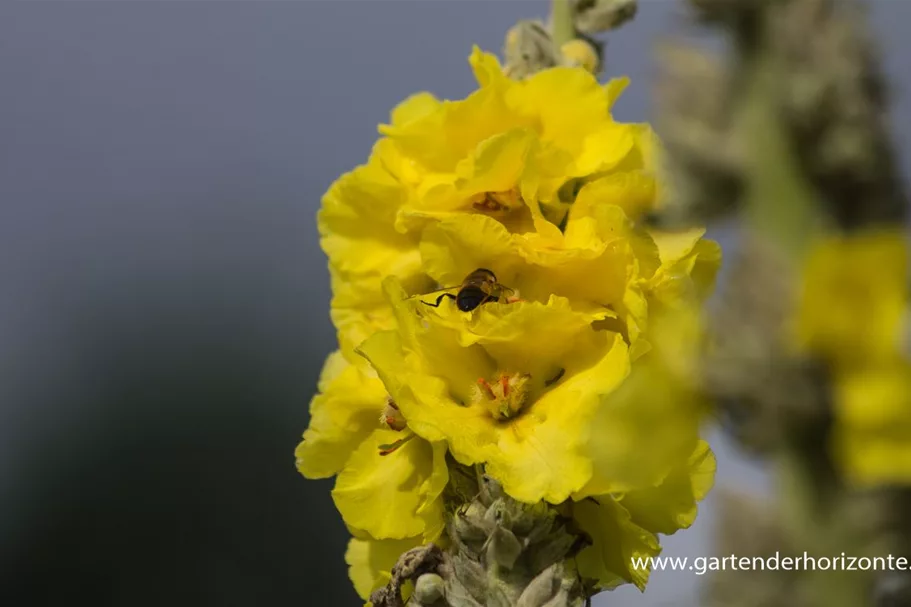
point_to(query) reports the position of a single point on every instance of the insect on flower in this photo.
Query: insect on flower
(478, 288)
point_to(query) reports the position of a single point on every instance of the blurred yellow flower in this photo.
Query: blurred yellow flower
(872, 434)
(854, 298)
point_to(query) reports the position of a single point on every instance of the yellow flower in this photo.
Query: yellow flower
(509, 148)
(651, 422)
(513, 386)
(388, 496)
(854, 298)
(872, 435)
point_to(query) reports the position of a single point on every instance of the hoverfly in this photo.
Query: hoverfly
(479, 287)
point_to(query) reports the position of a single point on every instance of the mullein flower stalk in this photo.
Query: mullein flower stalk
(513, 415)
(806, 361)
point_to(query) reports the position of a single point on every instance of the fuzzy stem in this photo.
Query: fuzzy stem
(562, 30)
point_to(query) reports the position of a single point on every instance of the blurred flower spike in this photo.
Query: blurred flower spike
(854, 315)
(567, 373)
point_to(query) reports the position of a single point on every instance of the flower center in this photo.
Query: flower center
(503, 397)
(497, 202)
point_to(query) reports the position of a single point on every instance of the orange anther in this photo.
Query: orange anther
(486, 387)
(504, 383)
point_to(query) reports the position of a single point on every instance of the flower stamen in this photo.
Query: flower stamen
(504, 397)
(392, 417)
(388, 448)
(486, 388)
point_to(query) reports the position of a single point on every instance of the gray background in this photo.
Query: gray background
(163, 298)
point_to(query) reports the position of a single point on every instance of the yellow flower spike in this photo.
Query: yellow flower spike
(370, 562)
(855, 297)
(342, 415)
(393, 496)
(536, 451)
(672, 505)
(617, 540)
(581, 53)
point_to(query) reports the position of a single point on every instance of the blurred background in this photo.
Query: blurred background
(164, 301)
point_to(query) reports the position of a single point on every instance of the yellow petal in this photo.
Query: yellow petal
(383, 494)
(370, 562)
(497, 164)
(672, 504)
(454, 247)
(440, 139)
(643, 429)
(341, 416)
(632, 191)
(565, 102)
(504, 331)
(487, 68)
(616, 542)
(414, 107)
(614, 88)
(688, 276)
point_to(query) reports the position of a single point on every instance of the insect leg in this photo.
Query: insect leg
(439, 299)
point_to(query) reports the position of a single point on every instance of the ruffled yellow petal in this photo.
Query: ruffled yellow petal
(440, 139)
(370, 562)
(617, 540)
(503, 331)
(672, 504)
(539, 455)
(392, 496)
(414, 108)
(650, 424)
(341, 416)
(454, 247)
(685, 276)
(486, 68)
(632, 191)
(614, 88)
(565, 103)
